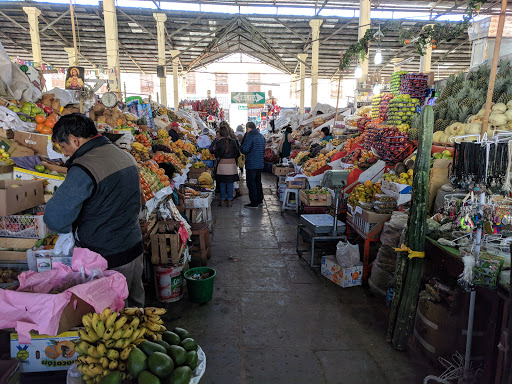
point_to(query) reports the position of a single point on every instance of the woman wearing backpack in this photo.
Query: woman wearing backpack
(226, 151)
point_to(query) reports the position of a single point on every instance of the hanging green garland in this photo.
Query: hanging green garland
(431, 34)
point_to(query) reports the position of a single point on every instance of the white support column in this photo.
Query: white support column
(160, 33)
(174, 54)
(71, 55)
(364, 25)
(302, 66)
(33, 21)
(183, 85)
(426, 59)
(111, 39)
(315, 36)
(293, 87)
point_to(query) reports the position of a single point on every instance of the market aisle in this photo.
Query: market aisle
(273, 320)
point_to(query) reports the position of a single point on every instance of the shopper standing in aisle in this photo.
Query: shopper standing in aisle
(285, 146)
(227, 152)
(239, 133)
(253, 147)
(99, 202)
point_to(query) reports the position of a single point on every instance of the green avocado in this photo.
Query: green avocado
(164, 344)
(113, 377)
(148, 347)
(178, 354)
(160, 364)
(181, 375)
(189, 344)
(147, 377)
(182, 333)
(192, 360)
(137, 362)
(171, 338)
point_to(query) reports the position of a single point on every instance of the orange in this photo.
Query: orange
(39, 127)
(40, 119)
(46, 130)
(50, 123)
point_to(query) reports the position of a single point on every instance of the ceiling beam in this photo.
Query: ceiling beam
(291, 30)
(186, 26)
(54, 21)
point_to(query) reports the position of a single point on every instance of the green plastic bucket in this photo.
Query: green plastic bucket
(200, 291)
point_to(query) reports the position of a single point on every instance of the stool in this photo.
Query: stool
(202, 231)
(289, 203)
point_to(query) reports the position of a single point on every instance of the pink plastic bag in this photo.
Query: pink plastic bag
(36, 309)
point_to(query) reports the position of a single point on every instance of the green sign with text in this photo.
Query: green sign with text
(247, 97)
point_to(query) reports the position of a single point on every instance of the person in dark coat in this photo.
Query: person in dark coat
(226, 151)
(99, 202)
(253, 147)
(173, 131)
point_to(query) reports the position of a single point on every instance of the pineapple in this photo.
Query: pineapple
(504, 68)
(440, 125)
(413, 134)
(463, 113)
(499, 87)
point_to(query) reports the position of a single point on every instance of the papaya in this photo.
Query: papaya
(181, 375)
(182, 333)
(188, 344)
(171, 338)
(148, 347)
(137, 362)
(113, 377)
(160, 364)
(178, 354)
(192, 360)
(147, 377)
(164, 344)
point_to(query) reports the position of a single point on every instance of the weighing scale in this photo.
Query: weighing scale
(324, 228)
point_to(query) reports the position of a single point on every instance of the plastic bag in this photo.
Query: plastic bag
(347, 254)
(64, 245)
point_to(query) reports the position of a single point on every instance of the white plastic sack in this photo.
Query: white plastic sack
(16, 84)
(10, 119)
(64, 245)
(347, 254)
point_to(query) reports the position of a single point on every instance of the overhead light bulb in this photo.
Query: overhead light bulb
(376, 89)
(378, 57)
(359, 72)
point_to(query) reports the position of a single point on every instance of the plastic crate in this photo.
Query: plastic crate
(208, 163)
(362, 225)
(23, 226)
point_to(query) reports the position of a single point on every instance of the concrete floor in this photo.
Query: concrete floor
(274, 320)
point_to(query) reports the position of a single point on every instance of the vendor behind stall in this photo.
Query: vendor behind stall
(285, 145)
(99, 201)
(173, 131)
(326, 134)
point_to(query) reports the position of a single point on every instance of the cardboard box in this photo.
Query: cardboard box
(28, 194)
(52, 183)
(402, 189)
(367, 221)
(42, 260)
(296, 182)
(281, 171)
(18, 150)
(6, 133)
(15, 249)
(55, 167)
(344, 277)
(36, 141)
(45, 353)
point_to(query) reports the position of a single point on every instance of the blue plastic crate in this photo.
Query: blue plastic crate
(208, 163)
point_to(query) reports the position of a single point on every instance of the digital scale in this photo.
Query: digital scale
(323, 227)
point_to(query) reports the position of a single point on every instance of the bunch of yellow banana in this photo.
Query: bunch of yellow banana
(139, 147)
(149, 320)
(106, 342)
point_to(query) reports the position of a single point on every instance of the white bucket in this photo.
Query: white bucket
(169, 282)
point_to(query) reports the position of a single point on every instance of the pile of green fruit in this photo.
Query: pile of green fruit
(401, 110)
(28, 111)
(317, 191)
(170, 360)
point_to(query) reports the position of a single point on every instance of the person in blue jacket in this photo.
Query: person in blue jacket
(99, 201)
(253, 147)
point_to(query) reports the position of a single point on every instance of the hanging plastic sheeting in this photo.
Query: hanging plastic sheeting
(16, 84)
(10, 119)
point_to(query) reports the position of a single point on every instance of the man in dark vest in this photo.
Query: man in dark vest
(99, 201)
